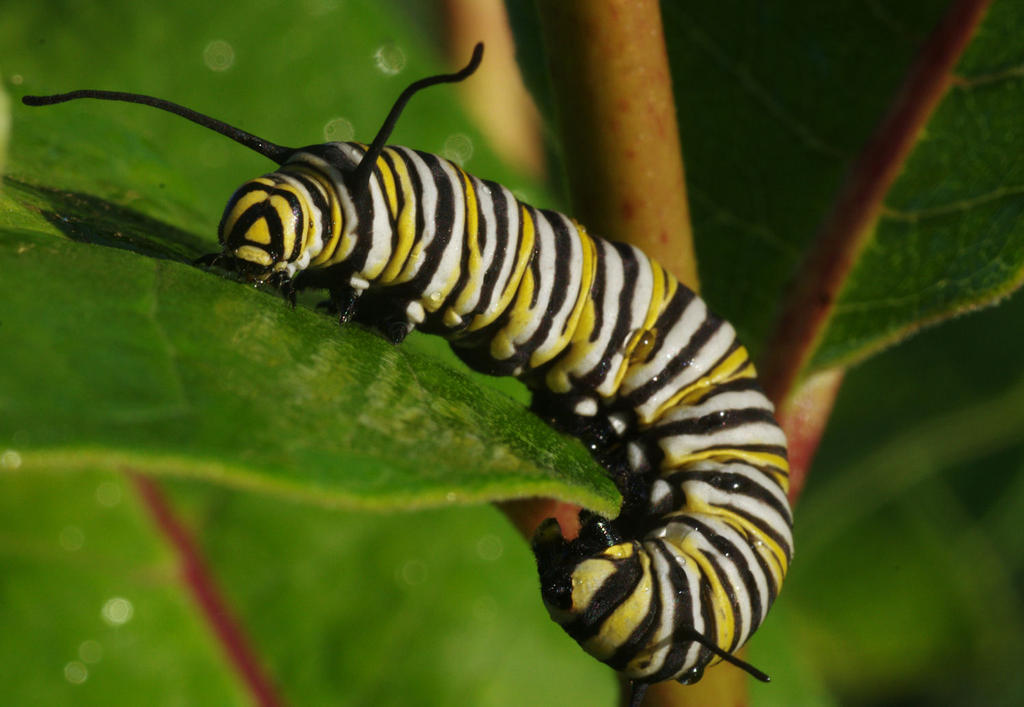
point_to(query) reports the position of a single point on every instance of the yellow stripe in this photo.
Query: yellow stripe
(736, 365)
(725, 619)
(284, 213)
(503, 344)
(434, 303)
(620, 624)
(660, 285)
(772, 464)
(405, 226)
(388, 181)
(557, 379)
(330, 240)
(765, 544)
(589, 252)
(523, 255)
(476, 274)
(249, 199)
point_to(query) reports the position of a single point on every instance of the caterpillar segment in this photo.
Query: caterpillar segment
(616, 351)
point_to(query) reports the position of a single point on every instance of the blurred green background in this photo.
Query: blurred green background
(906, 588)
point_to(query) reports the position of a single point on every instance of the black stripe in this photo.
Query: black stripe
(298, 217)
(731, 551)
(623, 324)
(264, 211)
(416, 197)
(644, 627)
(682, 616)
(684, 359)
(388, 158)
(685, 600)
(534, 265)
(707, 612)
(760, 524)
(506, 246)
(731, 483)
(364, 235)
(669, 315)
(765, 528)
(723, 579)
(714, 422)
(320, 203)
(444, 223)
(616, 589)
(597, 289)
(560, 293)
(769, 579)
(740, 385)
(466, 274)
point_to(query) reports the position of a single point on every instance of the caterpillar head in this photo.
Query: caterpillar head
(264, 227)
(563, 564)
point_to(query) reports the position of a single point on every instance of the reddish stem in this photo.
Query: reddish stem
(204, 591)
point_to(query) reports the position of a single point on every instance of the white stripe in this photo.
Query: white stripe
(709, 354)
(642, 290)
(729, 400)
(350, 218)
(544, 256)
(447, 273)
(678, 446)
(316, 241)
(506, 252)
(380, 233)
(674, 340)
(715, 496)
(692, 588)
(557, 329)
(610, 267)
(467, 299)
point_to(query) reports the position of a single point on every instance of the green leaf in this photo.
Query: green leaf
(951, 234)
(118, 354)
(432, 607)
(339, 608)
(195, 375)
(796, 89)
(92, 609)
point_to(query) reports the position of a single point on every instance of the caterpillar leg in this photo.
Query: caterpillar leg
(208, 260)
(388, 315)
(342, 297)
(637, 690)
(341, 302)
(283, 282)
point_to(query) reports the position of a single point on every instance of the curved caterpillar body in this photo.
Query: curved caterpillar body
(616, 350)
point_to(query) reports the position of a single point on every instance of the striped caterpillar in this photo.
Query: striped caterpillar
(616, 351)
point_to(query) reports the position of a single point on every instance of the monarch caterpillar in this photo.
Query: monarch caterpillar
(616, 351)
